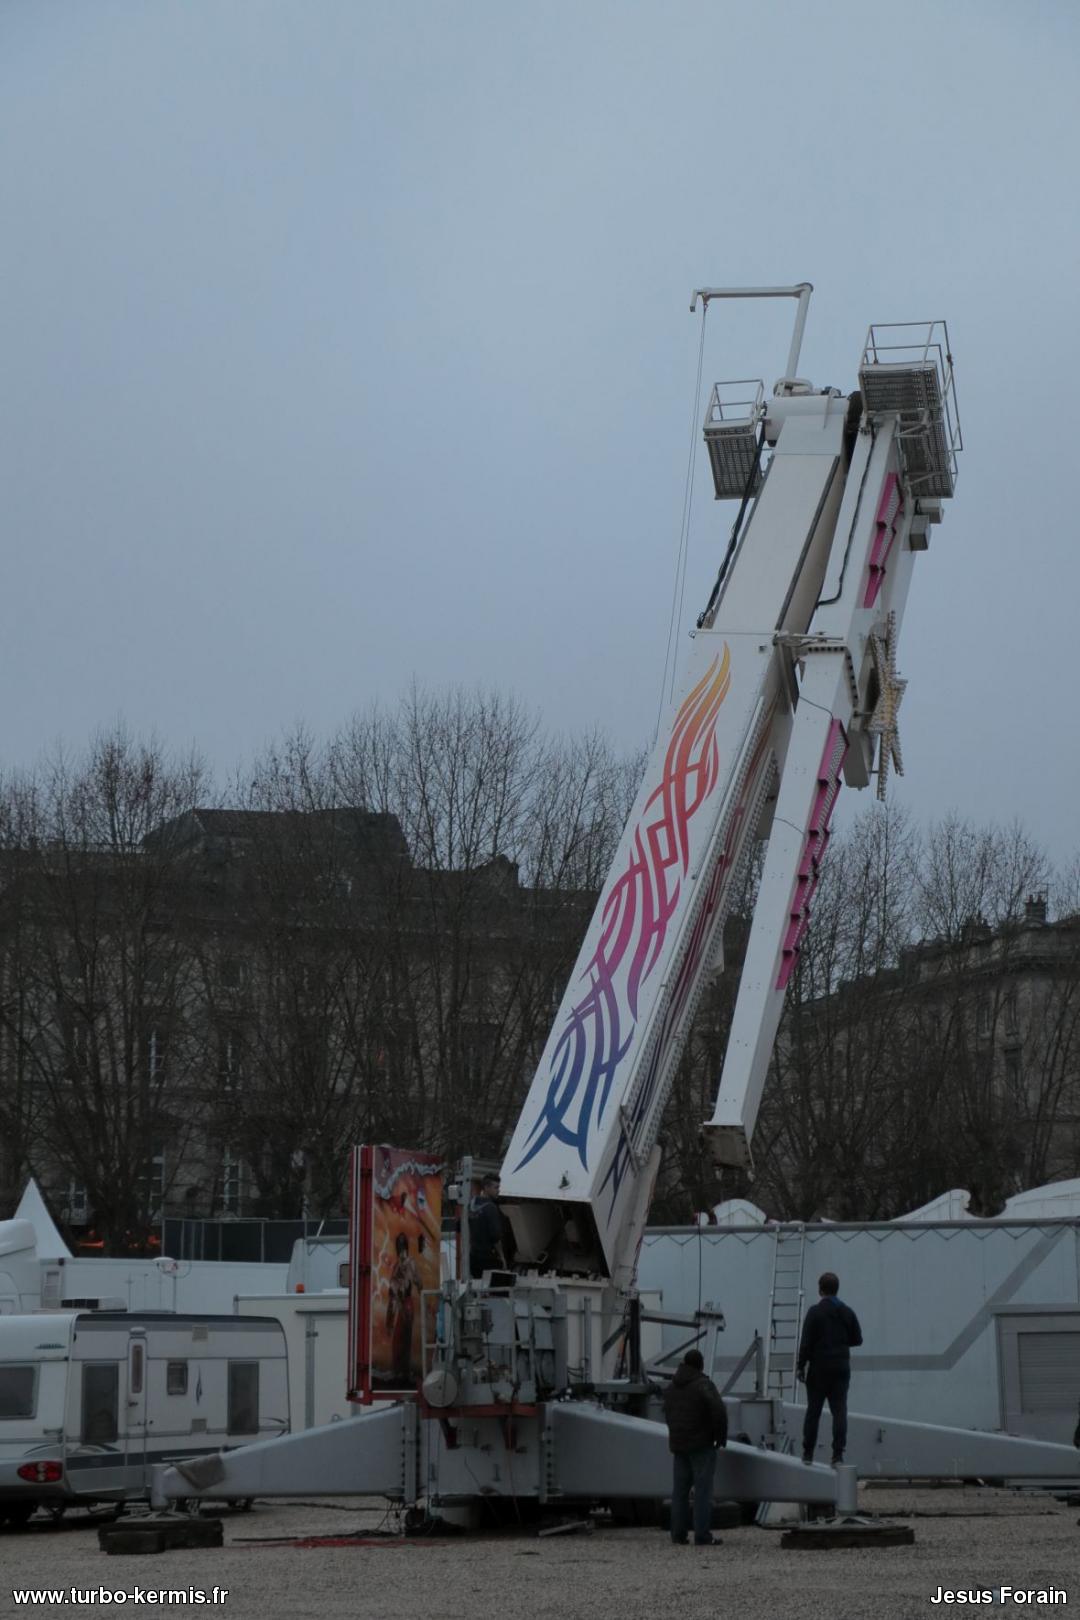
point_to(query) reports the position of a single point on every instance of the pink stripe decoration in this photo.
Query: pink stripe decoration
(887, 523)
(817, 837)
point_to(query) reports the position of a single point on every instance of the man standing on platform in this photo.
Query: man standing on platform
(829, 1332)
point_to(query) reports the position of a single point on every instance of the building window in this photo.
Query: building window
(80, 1034)
(232, 1183)
(232, 973)
(74, 1209)
(157, 1045)
(392, 1054)
(479, 1048)
(983, 1018)
(154, 1183)
(230, 1060)
(176, 1378)
(1012, 1070)
(82, 1045)
(1009, 1012)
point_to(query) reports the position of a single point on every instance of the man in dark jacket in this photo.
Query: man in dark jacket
(830, 1330)
(697, 1424)
(485, 1229)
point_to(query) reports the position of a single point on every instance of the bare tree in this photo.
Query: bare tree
(294, 980)
(825, 1130)
(474, 958)
(930, 1037)
(99, 1016)
(401, 911)
(20, 1097)
(972, 887)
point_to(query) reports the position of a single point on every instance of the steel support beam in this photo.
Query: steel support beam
(887, 1448)
(360, 1456)
(600, 1454)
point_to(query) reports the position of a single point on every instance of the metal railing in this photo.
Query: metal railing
(741, 408)
(904, 353)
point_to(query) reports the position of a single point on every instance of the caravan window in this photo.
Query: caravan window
(243, 1397)
(100, 1402)
(176, 1378)
(17, 1391)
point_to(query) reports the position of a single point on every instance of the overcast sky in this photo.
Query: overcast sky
(343, 343)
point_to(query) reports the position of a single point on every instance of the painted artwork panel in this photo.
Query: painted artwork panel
(406, 1232)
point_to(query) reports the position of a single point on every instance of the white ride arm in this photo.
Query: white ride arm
(848, 690)
(791, 680)
(585, 1135)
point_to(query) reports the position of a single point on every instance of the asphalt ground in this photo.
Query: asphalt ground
(351, 1567)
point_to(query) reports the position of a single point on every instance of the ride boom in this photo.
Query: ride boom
(790, 689)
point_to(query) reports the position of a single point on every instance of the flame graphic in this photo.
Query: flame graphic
(636, 1115)
(635, 918)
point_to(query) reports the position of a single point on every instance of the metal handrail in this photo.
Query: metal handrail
(801, 290)
(929, 348)
(754, 404)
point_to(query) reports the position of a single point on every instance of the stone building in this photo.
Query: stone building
(204, 1025)
(200, 1022)
(957, 1066)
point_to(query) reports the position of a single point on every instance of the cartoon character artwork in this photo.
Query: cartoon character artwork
(398, 1208)
(401, 1308)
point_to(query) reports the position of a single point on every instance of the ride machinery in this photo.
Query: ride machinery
(534, 1387)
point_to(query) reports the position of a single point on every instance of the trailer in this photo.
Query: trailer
(973, 1323)
(90, 1401)
(316, 1340)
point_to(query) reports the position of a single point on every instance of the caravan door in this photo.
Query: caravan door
(135, 1426)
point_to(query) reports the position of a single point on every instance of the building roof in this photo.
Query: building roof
(371, 834)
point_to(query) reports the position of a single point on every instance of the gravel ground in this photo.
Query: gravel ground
(963, 1537)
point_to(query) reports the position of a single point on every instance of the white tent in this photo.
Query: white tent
(947, 1206)
(736, 1212)
(47, 1240)
(18, 1237)
(1057, 1200)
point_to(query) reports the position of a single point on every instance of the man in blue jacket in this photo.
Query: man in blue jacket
(830, 1330)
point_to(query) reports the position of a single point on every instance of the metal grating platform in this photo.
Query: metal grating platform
(731, 437)
(928, 466)
(907, 371)
(906, 389)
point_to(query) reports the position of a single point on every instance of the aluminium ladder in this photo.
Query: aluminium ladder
(785, 1312)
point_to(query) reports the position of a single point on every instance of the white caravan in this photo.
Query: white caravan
(316, 1334)
(89, 1401)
